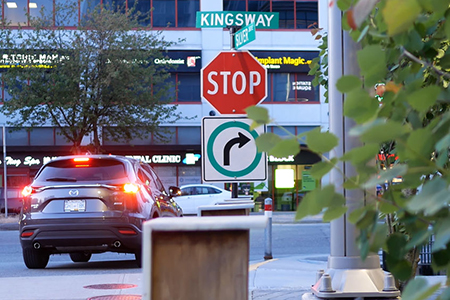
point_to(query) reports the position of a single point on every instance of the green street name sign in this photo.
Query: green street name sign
(262, 20)
(244, 36)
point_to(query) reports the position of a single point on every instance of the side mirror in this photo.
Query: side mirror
(174, 191)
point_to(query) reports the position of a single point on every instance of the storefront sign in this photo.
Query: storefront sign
(286, 61)
(30, 60)
(159, 159)
(184, 61)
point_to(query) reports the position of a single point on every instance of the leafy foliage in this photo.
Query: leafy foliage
(100, 78)
(404, 46)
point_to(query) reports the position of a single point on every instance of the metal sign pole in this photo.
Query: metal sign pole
(5, 187)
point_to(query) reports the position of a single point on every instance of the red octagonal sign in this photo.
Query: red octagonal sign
(233, 81)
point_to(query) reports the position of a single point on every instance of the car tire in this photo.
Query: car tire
(138, 257)
(80, 256)
(35, 259)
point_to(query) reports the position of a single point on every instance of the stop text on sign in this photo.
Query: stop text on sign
(239, 81)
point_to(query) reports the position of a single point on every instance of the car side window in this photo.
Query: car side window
(213, 191)
(155, 177)
(187, 191)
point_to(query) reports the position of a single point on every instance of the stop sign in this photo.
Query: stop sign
(233, 81)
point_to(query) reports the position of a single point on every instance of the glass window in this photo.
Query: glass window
(280, 132)
(87, 6)
(262, 6)
(306, 13)
(115, 5)
(281, 87)
(189, 175)
(39, 7)
(15, 12)
(189, 87)
(187, 12)
(163, 13)
(189, 135)
(17, 138)
(42, 136)
(60, 139)
(143, 8)
(169, 95)
(234, 5)
(167, 175)
(66, 12)
(286, 11)
(166, 135)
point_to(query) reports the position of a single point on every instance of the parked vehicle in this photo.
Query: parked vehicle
(14, 196)
(90, 204)
(194, 195)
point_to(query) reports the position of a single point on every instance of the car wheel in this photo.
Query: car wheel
(35, 259)
(80, 256)
(138, 257)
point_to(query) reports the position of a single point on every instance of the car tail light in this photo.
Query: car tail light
(130, 188)
(127, 231)
(81, 159)
(27, 191)
(27, 233)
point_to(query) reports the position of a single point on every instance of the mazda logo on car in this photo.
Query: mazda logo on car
(73, 193)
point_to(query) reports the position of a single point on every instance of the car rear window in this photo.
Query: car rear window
(92, 170)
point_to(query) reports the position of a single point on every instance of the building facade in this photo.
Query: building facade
(293, 102)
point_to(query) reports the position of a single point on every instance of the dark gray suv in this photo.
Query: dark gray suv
(90, 204)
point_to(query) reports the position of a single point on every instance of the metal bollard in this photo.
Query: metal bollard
(268, 231)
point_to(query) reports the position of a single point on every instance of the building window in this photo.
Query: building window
(189, 135)
(165, 13)
(43, 136)
(291, 87)
(293, 14)
(188, 89)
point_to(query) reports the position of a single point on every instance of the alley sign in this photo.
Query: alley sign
(221, 19)
(244, 36)
(229, 152)
(233, 81)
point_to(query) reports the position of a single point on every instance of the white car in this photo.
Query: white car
(195, 195)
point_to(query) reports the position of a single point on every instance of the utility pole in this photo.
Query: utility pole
(347, 276)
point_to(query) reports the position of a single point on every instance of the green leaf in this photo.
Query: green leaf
(315, 201)
(285, 147)
(321, 168)
(387, 208)
(434, 196)
(396, 245)
(400, 20)
(372, 62)
(418, 238)
(357, 214)
(259, 115)
(443, 144)
(348, 83)
(265, 142)
(418, 289)
(334, 212)
(370, 217)
(379, 131)
(361, 155)
(420, 143)
(442, 235)
(321, 142)
(360, 106)
(424, 98)
(386, 176)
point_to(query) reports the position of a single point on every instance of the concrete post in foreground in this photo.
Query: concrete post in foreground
(198, 258)
(347, 276)
(268, 208)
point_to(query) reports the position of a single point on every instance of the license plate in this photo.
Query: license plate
(74, 205)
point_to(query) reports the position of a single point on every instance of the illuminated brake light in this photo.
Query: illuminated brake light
(127, 231)
(27, 191)
(81, 159)
(130, 188)
(81, 166)
(27, 233)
